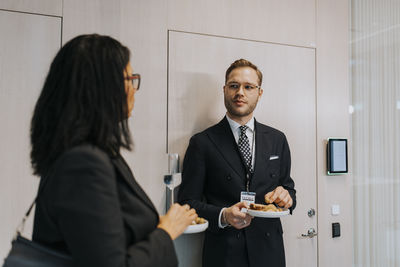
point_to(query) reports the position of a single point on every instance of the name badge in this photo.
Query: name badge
(248, 197)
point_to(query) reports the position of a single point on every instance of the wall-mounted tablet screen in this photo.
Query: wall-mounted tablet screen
(337, 156)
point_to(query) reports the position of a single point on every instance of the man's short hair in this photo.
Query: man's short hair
(243, 63)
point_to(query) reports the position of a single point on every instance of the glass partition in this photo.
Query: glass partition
(375, 111)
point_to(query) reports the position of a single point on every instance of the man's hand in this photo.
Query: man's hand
(235, 217)
(280, 196)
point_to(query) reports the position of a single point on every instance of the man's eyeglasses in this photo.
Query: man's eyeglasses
(248, 87)
(135, 79)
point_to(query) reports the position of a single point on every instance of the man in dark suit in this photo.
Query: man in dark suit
(231, 162)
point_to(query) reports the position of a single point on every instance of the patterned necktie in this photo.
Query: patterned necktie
(244, 146)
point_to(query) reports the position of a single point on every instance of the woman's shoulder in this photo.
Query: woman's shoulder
(85, 154)
(86, 150)
(81, 167)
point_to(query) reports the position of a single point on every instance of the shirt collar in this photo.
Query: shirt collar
(234, 125)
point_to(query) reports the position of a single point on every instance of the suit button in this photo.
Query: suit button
(238, 235)
(267, 234)
(273, 175)
(228, 178)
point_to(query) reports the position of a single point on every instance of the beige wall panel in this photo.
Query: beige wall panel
(285, 22)
(197, 65)
(91, 16)
(144, 32)
(46, 7)
(333, 120)
(25, 56)
(140, 25)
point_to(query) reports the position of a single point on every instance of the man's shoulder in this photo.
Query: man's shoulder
(211, 129)
(203, 134)
(268, 129)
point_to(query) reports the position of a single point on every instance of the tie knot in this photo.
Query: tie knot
(243, 129)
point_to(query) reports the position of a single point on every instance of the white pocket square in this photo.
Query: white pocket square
(273, 157)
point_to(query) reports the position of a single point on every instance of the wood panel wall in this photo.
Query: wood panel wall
(143, 26)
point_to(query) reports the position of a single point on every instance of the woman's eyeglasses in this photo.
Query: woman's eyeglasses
(135, 79)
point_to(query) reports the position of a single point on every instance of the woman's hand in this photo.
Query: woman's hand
(177, 219)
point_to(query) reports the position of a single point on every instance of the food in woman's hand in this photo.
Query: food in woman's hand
(199, 221)
(267, 208)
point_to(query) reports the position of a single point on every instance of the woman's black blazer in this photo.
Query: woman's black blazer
(92, 207)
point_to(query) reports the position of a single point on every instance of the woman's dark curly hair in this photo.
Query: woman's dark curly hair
(83, 100)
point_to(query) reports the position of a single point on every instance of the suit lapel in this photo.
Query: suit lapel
(123, 168)
(222, 137)
(263, 149)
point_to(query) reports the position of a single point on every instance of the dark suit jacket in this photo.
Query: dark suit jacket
(92, 207)
(214, 176)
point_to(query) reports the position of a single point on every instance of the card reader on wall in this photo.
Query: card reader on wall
(337, 162)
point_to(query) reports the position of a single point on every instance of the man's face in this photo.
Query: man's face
(241, 92)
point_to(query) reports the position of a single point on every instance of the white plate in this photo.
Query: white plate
(196, 228)
(267, 214)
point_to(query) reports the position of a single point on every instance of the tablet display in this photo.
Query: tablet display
(337, 156)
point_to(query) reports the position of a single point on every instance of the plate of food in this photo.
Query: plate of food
(200, 225)
(267, 211)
